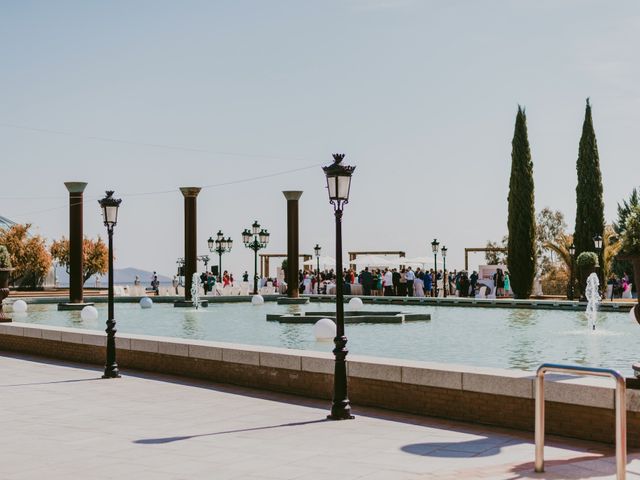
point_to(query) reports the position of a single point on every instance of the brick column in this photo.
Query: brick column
(190, 237)
(76, 245)
(293, 249)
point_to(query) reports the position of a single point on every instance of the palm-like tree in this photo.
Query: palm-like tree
(610, 244)
(560, 246)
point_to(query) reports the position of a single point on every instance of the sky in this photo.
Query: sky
(250, 98)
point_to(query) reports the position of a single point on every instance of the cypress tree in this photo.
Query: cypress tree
(521, 223)
(589, 202)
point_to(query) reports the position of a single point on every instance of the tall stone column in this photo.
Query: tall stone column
(293, 250)
(76, 247)
(190, 237)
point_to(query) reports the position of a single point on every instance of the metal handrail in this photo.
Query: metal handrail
(620, 404)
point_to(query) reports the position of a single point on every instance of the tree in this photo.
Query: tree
(521, 223)
(95, 256)
(496, 258)
(624, 210)
(619, 265)
(589, 202)
(29, 256)
(550, 225)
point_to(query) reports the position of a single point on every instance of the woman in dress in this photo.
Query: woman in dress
(507, 284)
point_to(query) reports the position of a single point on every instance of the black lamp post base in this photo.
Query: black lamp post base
(111, 372)
(340, 417)
(341, 411)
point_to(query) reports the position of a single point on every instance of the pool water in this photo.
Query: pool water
(505, 338)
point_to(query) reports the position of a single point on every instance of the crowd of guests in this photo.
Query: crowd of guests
(403, 282)
(619, 285)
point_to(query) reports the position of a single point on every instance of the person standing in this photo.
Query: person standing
(410, 276)
(507, 284)
(388, 283)
(396, 281)
(155, 283)
(402, 284)
(366, 279)
(428, 283)
(473, 281)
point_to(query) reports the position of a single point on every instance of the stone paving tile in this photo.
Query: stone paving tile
(60, 420)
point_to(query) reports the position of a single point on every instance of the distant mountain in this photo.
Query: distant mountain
(121, 276)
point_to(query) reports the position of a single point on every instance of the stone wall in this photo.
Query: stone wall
(576, 407)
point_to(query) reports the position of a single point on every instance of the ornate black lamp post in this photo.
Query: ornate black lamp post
(572, 254)
(110, 207)
(338, 185)
(445, 275)
(597, 243)
(255, 239)
(220, 246)
(434, 248)
(317, 249)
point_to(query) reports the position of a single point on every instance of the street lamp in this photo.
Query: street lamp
(338, 186)
(445, 276)
(220, 246)
(110, 207)
(255, 239)
(434, 247)
(572, 254)
(317, 249)
(597, 243)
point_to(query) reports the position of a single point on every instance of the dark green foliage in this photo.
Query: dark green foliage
(587, 260)
(589, 202)
(618, 265)
(624, 210)
(521, 256)
(631, 234)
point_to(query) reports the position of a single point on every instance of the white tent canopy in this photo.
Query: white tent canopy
(424, 262)
(325, 262)
(373, 261)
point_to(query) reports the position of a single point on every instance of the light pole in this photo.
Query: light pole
(204, 259)
(597, 243)
(572, 254)
(255, 239)
(220, 246)
(434, 248)
(317, 249)
(338, 185)
(110, 207)
(445, 276)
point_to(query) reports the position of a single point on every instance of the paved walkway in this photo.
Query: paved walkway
(61, 421)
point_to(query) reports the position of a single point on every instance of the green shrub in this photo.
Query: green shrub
(587, 260)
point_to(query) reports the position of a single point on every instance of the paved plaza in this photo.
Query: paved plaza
(61, 421)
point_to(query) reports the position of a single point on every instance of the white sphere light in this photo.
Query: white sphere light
(146, 302)
(20, 306)
(89, 313)
(324, 329)
(257, 300)
(355, 304)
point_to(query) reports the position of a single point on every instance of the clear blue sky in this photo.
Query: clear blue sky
(420, 95)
